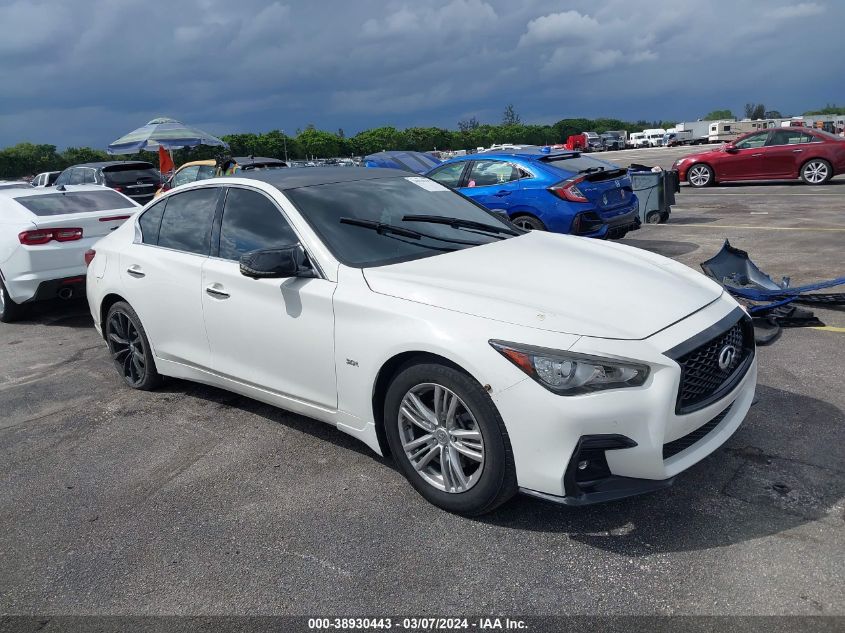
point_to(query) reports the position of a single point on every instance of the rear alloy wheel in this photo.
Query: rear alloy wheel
(700, 176)
(528, 223)
(130, 348)
(9, 310)
(816, 172)
(449, 440)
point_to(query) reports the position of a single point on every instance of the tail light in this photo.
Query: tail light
(118, 189)
(44, 236)
(89, 256)
(568, 190)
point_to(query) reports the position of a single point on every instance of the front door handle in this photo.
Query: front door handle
(755, 155)
(797, 151)
(502, 194)
(135, 271)
(216, 291)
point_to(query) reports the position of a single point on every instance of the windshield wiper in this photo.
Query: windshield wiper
(383, 228)
(458, 223)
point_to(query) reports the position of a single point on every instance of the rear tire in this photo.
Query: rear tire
(700, 175)
(528, 223)
(448, 439)
(816, 171)
(130, 348)
(9, 310)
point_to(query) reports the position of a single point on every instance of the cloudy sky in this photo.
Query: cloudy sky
(86, 72)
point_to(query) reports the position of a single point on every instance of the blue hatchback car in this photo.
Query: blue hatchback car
(547, 190)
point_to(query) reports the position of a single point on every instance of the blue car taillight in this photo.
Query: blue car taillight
(568, 190)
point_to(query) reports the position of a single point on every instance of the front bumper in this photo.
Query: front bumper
(547, 431)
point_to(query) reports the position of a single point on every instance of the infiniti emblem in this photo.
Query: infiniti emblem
(726, 357)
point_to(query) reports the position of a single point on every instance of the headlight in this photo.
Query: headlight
(571, 373)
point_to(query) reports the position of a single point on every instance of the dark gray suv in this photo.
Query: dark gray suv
(137, 179)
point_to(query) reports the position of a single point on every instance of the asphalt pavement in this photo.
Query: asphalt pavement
(192, 500)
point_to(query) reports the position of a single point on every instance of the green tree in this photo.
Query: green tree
(830, 108)
(510, 116)
(755, 111)
(718, 115)
(318, 143)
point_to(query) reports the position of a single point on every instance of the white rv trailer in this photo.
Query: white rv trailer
(724, 131)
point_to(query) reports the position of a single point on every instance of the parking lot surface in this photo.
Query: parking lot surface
(191, 500)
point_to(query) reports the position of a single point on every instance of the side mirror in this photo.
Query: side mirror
(731, 149)
(276, 263)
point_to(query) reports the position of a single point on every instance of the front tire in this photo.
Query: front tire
(816, 171)
(700, 175)
(130, 348)
(448, 439)
(9, 310)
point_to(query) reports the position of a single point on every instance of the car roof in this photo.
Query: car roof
(209, 161)
(283, 179)
(112, 163)
(246, 161)
(530, 153)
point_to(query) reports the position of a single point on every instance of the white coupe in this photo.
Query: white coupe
(44, 234)
(484, 359)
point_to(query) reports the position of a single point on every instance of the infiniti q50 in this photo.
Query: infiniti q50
(400, 312)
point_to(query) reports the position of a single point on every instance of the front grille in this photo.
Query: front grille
(682, 443)
(703, 380)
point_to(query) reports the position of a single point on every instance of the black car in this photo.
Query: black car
(137, 179)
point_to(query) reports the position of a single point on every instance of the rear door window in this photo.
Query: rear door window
(186, 224)
(150, 222)
(251, 221)
(74, 202)
(449, 175)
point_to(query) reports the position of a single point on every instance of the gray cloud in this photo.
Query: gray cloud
(87, 72)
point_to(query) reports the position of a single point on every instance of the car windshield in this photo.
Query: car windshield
(74, 202)
(387, 201)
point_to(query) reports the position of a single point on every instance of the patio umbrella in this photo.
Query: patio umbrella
(162, 132)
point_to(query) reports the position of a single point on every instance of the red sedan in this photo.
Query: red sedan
(787, 153)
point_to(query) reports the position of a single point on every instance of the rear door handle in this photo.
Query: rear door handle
(502, 194)
(755, 155)
(135, 271)
(797, 151)
(216, 291)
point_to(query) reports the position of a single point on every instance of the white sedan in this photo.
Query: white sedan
(44, 234)
(484, 359)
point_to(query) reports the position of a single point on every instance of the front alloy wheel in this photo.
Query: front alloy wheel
(448, 438)
(441, 438)
(700, 176)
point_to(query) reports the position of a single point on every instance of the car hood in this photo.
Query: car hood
(554, 282)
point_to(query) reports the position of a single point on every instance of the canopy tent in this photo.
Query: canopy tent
(162, 132)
